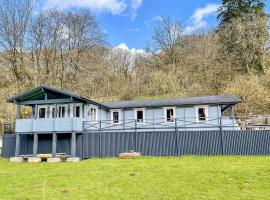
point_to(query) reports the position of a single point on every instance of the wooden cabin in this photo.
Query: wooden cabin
(55, 112)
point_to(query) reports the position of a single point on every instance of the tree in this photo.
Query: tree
(253, 94)
(61, 42)
(232, 9)
(14, 19)
(243, 32)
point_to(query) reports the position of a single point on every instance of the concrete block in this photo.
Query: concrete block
(34, 160)
(16, 159)
(53, 160)
(75, 159)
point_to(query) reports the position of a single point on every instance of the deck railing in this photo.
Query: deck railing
(217, 123)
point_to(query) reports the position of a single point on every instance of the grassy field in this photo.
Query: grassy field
(187, 177)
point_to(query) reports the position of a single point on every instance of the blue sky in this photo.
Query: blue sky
(129, 23)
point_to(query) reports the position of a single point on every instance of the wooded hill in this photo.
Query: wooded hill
(68, 50)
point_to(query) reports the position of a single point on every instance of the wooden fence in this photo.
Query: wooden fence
(162, 143)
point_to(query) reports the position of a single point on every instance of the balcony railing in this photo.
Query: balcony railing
(218, 123)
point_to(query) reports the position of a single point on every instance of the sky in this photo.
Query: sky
(129, 24)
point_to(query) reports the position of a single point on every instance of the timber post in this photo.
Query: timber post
(35, 145)
(73, 144)
(54, 144)
(221, 135)
(175, 137)
(17, 147)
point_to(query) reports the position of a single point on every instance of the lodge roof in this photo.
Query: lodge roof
(188, 101)
(38, 94)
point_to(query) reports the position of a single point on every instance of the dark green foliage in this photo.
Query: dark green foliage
(232, 9)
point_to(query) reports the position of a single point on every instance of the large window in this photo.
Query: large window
(201, 113)
(140, 115)
(42, 112)
(169, 114)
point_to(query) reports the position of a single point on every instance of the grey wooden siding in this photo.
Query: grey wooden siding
(166, 143)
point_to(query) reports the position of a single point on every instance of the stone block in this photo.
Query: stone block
(130, 155)
(34, 160)
(53, 160)
(16, 159)
(75, 159)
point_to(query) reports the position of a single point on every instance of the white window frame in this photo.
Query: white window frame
(119, 114)
(46, 110)
(135, 115)
(165, 114)
(51, 111)
(197, 113)
(74, 110)
(58, 110)
(90, 115)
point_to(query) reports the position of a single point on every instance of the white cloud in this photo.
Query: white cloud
(123, 46)
(114, 7)
(135, 5)
(198, 19)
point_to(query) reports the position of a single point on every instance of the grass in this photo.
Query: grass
(189, 177)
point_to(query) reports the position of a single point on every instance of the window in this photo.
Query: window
(53, 112)
(140, 115)
(77, 111)
(169, 114)
(42, 113)
(115, 116)
(93, 114)
(61, 111)
(202, 113)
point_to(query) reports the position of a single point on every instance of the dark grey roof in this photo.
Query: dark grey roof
(48, 88)
(203, 100)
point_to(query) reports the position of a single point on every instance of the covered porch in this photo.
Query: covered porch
(53, 146)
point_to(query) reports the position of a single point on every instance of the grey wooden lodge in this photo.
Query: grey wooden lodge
(56, 112)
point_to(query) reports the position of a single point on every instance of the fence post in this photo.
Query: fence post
(99, 143)
(175, 137)
(221, 132)
(135, 138)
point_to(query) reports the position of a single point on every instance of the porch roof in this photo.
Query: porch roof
(48, 95)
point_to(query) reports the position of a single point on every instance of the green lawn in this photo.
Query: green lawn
(189, 177)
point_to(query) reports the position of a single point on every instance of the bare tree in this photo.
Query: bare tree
(14, 18)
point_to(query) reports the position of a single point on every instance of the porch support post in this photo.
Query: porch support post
(36, 112)
(18, 112)
(17, 147)
(35, 145)
(54, 145)
(73, 144)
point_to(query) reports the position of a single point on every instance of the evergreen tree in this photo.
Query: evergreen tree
(232, 9)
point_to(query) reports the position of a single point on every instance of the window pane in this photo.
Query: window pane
(93, 114)
(115, 117)
(139, 116)
(169, 115)
(77, 111)
(201, 114)
(53, 112)
(42, 112)
(63, 111)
